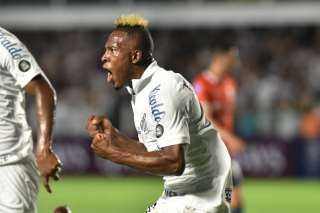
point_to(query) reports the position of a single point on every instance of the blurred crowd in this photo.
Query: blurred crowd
(70, 2)
(278, 81)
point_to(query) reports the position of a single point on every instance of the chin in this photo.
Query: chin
(117, 87)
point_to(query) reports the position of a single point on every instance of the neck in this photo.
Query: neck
(216, 75)
(139, 69)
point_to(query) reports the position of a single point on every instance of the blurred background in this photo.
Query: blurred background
(278, 102)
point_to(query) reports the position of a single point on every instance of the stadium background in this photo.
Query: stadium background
(278, 107)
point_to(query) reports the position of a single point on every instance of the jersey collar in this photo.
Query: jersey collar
(138, 84)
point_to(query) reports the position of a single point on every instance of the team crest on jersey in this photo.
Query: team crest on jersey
(228, 193)
(159, 130)
(24, 65)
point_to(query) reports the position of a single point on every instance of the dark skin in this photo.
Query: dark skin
(48, 162)
(121, 62)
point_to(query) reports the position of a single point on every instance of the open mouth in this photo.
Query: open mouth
(109, 75)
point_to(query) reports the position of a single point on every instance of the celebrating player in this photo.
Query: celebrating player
(175, 139)
(216, 90)
(19, 73)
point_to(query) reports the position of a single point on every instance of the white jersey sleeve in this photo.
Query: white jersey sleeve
(17, 59)
(172, 127)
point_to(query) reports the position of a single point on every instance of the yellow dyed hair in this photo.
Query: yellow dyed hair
(131, 21)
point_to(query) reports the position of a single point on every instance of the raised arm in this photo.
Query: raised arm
(48, 162)
(112, 145)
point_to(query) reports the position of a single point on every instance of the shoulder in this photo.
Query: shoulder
(200, 78)
(168, 85)
(11, 45)
(230, 81)
(200, 83)
(169, 91)
(167, 78)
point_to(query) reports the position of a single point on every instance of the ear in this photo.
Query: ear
(136, 56)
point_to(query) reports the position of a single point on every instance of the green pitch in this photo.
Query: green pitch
(134, 195)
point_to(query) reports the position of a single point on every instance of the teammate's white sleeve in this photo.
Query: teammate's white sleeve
(173, 127)
(24, 68)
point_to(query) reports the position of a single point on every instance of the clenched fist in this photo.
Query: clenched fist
(49, 165)
(95, 125)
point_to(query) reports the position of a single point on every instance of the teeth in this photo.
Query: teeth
(109, 76)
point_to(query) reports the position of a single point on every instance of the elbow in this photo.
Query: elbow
(50, 93)
(177, 167)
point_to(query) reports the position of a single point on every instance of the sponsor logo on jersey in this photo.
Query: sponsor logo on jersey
(24, 65)
(155, 105)
(12, 47)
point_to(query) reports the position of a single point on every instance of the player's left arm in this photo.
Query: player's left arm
(45, 97)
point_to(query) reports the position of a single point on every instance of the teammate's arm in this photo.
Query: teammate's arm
(112, 145)
(48, 162)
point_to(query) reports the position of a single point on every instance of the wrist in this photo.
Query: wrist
(43, 147)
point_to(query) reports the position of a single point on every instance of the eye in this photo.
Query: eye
(115, 51)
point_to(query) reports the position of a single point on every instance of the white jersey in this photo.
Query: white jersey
(167, 112)
(17, 69)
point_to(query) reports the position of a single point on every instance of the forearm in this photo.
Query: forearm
(152, 162)
(124, 142)
(45, 99)
(168, 161)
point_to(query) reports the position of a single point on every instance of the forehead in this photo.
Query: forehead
(117, 38)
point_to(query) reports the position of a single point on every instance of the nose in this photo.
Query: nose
(103, 58)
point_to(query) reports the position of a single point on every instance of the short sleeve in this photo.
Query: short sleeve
(21, 64)
(172, 126)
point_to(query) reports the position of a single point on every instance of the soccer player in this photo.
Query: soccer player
(176, 140)
(19, 167)
(216, 90)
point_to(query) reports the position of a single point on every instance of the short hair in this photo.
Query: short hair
(224, 47)
(137, 26)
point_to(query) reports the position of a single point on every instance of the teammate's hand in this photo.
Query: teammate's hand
(94, 125)
(49, 165)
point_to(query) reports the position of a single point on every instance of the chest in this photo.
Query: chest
(222, 93)
(149, 110)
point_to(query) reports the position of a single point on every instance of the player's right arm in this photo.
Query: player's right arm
(48, 162)
(110, 144)
(95, 125)
(30, 78)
